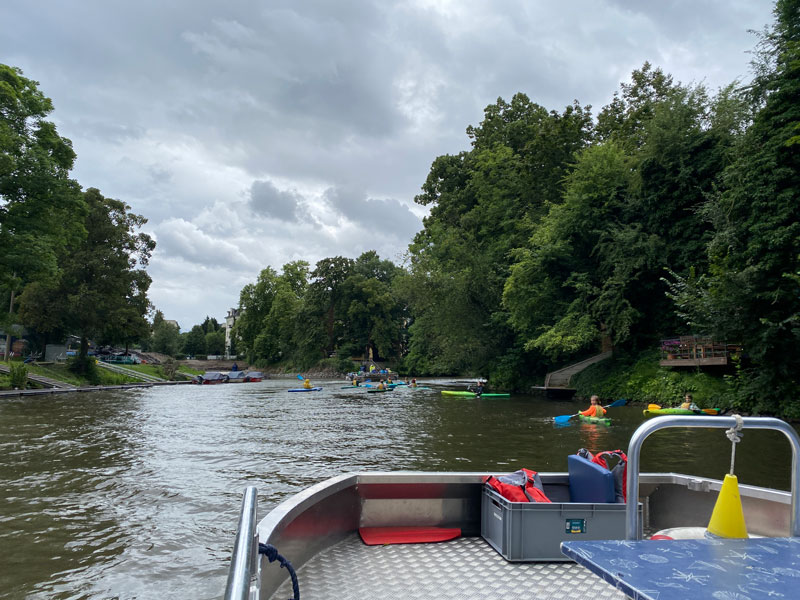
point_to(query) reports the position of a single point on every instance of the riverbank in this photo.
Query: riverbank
(87, 388)
(640, 379)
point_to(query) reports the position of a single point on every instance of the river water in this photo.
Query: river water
(135, 493)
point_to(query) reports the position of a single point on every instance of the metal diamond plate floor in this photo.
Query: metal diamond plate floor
(466, 568)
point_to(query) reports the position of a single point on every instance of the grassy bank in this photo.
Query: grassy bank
(62, 373)
(640, 379)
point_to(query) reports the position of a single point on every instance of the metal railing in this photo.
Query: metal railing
(632, 531)
(243, 582)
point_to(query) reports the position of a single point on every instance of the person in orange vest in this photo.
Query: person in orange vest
(595, 410)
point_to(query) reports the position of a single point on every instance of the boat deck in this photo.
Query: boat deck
(465, 568)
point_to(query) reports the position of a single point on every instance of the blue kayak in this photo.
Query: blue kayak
(314, 389)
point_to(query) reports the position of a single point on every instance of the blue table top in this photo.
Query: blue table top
(689, 569)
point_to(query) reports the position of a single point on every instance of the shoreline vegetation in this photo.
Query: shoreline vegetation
(639, 379)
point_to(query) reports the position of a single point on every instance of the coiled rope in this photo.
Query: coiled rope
(735, 436)
(271, 552)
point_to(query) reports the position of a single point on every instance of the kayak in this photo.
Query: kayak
(473, 394)
(680, 411)
(375, 391)
(314, 389)
(600, 420)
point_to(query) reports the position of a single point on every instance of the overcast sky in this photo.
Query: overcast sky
(253, 133)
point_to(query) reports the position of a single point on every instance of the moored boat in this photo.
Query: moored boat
(210, 378)
(317, 531)
(254, 376)
(236, 377)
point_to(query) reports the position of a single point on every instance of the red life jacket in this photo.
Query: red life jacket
(620, 470)
(520, 486)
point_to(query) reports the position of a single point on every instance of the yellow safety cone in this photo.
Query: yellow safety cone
(727, 518)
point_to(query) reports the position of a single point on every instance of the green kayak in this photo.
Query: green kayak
(680, 411)
(472, 394)
(601, 420)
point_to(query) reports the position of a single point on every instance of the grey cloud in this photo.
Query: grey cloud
(266, 199)
(389, 216)
(177, 238)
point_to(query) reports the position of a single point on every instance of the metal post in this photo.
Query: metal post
(632, 531)
(244, 560)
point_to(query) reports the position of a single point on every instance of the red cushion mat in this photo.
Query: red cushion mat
(375, 536)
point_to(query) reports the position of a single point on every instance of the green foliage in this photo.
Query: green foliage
(215, 342)
(169, 368)
(194, 342)
(165, 338)
(99, 292)
(18, 376)
(483, 204)
(85, 367)
(750, 293)
(41, 209)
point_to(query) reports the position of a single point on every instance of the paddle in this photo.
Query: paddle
(653, 407)
(301, 378)
(562, 419)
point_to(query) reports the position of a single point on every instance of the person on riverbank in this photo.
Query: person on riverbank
(595, 410)
(307, 384)
(235, 367)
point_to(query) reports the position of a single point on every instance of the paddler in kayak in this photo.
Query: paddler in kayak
(688, 403)
(307, 384)
(595, 410)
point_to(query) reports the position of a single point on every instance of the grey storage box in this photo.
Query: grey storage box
(533, 531)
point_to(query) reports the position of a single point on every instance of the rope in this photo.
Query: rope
(735, 436)
(271, 552)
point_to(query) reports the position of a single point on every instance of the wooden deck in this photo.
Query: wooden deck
(694, 351)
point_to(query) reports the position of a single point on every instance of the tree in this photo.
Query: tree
(210, 325)
(325, 294)
(194, 342)
(483, 205)
(102, 282)
(593, 266)
(255, 301)
(215, 342)
(166, 337)
(750, 293)
(41, 208)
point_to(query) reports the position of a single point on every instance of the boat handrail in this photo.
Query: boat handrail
(243, 582)
(632, 530)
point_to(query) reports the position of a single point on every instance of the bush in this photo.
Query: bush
(168, 367)
(84, 366)
(19, 376)
(643, 380)
(345, 365)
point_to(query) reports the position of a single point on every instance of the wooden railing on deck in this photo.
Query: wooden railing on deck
(691, 350)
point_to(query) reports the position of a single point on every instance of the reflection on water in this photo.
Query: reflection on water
(135, 494)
